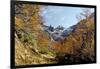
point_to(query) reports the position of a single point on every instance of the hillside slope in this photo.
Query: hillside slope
(31, 43)
(80, 42)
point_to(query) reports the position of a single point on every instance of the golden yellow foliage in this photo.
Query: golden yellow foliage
(19, 23)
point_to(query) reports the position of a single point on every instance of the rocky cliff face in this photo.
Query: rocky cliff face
(59, 33)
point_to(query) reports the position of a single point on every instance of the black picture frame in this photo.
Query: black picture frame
(12, 29)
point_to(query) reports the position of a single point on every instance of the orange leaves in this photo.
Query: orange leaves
(28, 16)
(57, 46)
(69, 44)
(19, 23)
(43, 39)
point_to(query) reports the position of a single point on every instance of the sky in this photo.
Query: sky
(60, 15)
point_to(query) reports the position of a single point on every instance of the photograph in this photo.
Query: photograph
(52, 34)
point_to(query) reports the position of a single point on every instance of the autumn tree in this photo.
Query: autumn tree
(79, 17)
(86, 13)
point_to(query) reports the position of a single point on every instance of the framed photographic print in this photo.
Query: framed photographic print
(52, 34)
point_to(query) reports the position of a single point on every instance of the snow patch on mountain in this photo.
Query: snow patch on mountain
(58, 33)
